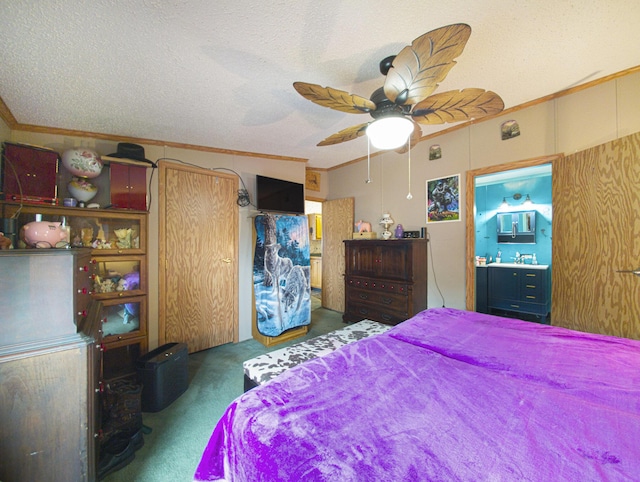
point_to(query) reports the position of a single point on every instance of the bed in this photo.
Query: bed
(446, 395)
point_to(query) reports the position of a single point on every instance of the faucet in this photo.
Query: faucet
(520, 258)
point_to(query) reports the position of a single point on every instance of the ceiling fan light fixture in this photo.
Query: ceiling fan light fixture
(389, 132)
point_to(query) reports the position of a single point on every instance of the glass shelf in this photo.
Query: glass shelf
(117, 277)
(121, 319)
(105, 231)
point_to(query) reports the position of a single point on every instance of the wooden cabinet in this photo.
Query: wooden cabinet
(29, 173)
(48, 367)
(521, 290)
(316, 272)
(385, 280)
(128, 186)
(117, 241)
(109, 294)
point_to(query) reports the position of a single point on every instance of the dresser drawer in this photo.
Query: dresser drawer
(388, 301)
(358, 311)
(384, 286)
(532, 288)
(519, 306)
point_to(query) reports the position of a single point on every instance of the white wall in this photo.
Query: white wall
(567, 124)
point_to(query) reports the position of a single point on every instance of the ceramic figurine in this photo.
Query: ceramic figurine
(44, 234)
(363, 227)
(386, 222)
(5, 242)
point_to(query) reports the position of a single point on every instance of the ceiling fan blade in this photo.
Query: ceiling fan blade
(456, 106)
(334, 98)
(344, 135)
(419, 67)
(415, 138)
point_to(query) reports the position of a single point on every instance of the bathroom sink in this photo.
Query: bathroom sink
(518, 265)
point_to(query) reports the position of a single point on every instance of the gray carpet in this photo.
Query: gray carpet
(180, 432)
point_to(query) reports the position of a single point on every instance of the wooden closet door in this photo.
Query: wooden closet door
(337, 225)
(198, 266)
(596, 234)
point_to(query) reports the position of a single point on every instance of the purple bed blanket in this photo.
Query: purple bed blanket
(446, 395)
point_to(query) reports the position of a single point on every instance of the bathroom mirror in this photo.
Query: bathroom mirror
(517, 227)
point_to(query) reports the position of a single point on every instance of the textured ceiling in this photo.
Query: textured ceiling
(220, 73)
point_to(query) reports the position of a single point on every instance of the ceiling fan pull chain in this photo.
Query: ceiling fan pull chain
(409, 196)
(368, 161)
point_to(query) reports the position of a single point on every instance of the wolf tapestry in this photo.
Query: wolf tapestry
(281, 273)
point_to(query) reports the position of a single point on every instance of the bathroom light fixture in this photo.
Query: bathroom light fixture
(527, 201)
(504, 204)
(389, 132)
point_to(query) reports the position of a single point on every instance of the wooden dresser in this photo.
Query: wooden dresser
(385, 280)
(48, 394)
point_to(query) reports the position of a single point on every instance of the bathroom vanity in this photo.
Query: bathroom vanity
(519, 289)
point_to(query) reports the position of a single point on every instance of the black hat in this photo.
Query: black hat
(131, 151)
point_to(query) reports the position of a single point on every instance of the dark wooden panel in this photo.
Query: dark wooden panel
(42, 296)
(43, 414)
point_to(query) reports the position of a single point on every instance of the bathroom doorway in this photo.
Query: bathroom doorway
(513, 187)
(313, 210)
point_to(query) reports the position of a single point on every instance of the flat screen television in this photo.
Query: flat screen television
(279, 196)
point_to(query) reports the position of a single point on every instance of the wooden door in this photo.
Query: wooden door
(198, 261)
(596, 233)
(337, 225)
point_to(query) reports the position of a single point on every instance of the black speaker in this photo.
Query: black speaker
(164, 375)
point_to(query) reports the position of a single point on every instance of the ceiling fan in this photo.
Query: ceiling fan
(405, 99)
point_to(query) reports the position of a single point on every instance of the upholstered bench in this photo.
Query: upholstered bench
(263, 368)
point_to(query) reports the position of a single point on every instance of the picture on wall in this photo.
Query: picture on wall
(312, 180)
(443, 199)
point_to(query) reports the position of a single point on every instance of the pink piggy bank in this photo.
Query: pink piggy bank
(44, 234)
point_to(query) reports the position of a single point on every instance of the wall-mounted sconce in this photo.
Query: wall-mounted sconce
(517, 196)
(509, 129)
(435, 152)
